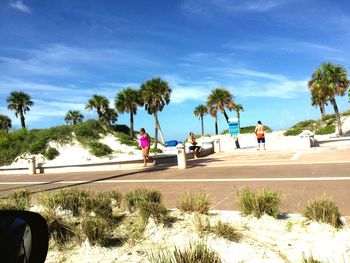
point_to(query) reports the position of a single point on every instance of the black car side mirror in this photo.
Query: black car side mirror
(24, 237)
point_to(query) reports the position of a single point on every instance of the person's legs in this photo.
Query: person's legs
(144, 157)
(258, 148)
(263, 143)
(145, 154)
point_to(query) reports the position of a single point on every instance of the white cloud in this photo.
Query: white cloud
(282, 44)
(210, 7)
(20, 6)
(62, 61)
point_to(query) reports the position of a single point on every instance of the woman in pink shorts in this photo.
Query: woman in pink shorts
(145, 143)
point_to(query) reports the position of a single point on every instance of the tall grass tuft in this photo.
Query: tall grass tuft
(155, 210)
(97, 230)
(134, 229)
(220, 229)
(16, 200)
(197, 252)
(137, 196)
(194, 202)
(310, 259)
(259, 203)
(72, 199)
(60, 229)
(323, 210)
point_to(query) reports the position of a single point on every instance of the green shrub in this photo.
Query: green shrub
(125, 139)
(329, 129)
(293, 132)
(62, 134)
(197, 252)
(248, 129)
(38, 146)
(138, 196)
(152, 150)
(328, 117)
(346, 113)
(251, 129)
(35, 141)
(51, 153)
(99, 149)
(257, 204)
(88, 130)
(72, 199)
(121, 128)
(194, 202)
(323, 210)
(300, 126)
(97, 230)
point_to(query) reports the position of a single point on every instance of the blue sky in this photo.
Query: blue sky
(263, 51)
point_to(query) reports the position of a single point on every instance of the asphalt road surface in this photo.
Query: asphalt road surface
(221, 176)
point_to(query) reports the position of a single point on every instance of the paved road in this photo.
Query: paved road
(298, 176)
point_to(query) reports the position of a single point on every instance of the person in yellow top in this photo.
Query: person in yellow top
(260, 134)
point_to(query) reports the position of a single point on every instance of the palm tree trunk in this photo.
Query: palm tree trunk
(155, 130)
(161, 132)
(236, 138)
(225, 114)
(21, 116)
(337, 116)
(131, 125)
(322, 110)
(238, 146)
(99, 113)
(202, 124)
(216, 125)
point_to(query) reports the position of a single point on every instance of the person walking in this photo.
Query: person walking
(145, 143)
(194, 147)
(260, 134)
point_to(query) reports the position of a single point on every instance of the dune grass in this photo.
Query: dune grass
(197, 252)
(258, 203)
(323, 210)
(194, 202)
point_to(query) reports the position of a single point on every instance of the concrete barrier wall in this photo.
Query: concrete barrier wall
(96, 167)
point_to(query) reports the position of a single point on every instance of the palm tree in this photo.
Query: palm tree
(127, 101)
(20, 102)
(218, 99)
(73, 117)
(155, 94)
(5, 123)
(328, 81)
(98, 102)
(200, 111)
(318, 100)
(109, 116)
(213, 111)
(238, 108)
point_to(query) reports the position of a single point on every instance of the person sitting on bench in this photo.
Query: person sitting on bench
(194, 147)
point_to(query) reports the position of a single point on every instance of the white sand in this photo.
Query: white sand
(264, 240)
